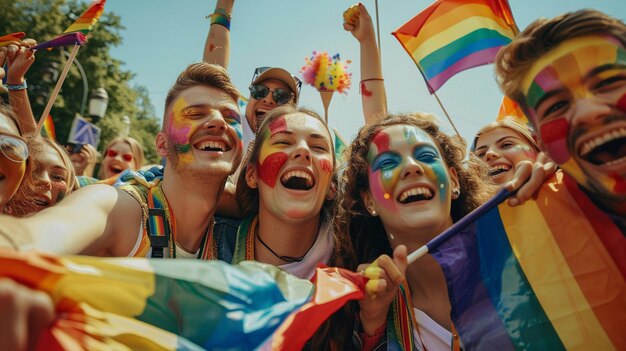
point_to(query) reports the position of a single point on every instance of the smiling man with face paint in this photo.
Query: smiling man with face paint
(574, 92)
(201, 142)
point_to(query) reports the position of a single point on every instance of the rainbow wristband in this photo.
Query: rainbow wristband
(220, 19)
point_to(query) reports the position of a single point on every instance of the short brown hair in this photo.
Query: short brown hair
(202, 73)
(366, 231)
(543, 35)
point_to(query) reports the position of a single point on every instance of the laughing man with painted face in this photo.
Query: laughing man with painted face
(569, 75)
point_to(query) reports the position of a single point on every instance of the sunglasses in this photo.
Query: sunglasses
(280, 96)
(126, 157)
(13, 147)
(260, 70)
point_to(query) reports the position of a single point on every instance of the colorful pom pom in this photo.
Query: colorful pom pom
(326, 73)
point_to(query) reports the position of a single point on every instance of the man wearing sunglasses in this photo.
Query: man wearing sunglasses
(270, 86)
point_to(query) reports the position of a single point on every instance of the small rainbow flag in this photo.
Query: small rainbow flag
(48, 128)
(547, 275)
(510, 108)
(13, 38)
(340, 146)
(85, 22)
(158, 304)
(450, 36)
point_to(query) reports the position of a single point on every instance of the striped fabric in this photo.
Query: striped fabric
(548, 275)
(453, 35)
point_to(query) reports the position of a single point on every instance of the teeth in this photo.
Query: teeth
(500, 167)
(602, 139)
(212, 144)
(416, 191)
(299, 174)
(614, 162)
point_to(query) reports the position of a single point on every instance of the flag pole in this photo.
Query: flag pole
(378, 32)
(496, 200)
(447, 115)
(57, 88)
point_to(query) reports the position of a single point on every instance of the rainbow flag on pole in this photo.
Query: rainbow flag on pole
(85, 22)
(450, 36)
(547, 275)
(143, 304)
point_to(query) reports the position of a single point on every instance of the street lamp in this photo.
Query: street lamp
(98, 104)
(126, 121)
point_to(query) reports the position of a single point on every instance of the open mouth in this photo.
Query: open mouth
(297, 180)
(212, 145)
(415, 194)
(260, 117)
(116, 169)
(498, 169)
(605, 150)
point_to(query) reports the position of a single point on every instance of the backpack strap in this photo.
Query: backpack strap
(158, 231)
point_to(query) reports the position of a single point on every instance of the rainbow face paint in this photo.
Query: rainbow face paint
(187, 118)
(391, 150)
(576, 95)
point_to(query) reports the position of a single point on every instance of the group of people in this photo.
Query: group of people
(263, 185)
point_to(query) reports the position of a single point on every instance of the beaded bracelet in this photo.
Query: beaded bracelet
(13, 87)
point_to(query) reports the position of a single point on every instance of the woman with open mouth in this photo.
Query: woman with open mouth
(405, 183)
(120, 154)
(503, 145)
(50, 180)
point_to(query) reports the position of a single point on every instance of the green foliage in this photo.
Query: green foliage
(42, 20)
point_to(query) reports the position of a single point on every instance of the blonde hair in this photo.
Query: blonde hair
(508, 123)
(135, 148)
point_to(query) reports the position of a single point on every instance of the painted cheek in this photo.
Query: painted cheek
(621, 103)
(438, 174)
(554, 137)
(270, 167)
(620, 183)
(381, 186)
(326, 166)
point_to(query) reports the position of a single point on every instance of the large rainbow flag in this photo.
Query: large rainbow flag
(143, 304)
(450, 36)
(547, 275)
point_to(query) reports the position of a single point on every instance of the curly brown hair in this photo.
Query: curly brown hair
(543, 35)
(367, 233)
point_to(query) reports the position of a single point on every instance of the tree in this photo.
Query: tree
(43, 20)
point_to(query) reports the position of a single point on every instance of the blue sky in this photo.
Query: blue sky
(163, 37)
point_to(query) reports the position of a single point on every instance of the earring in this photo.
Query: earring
(373, 213)
(456, 193)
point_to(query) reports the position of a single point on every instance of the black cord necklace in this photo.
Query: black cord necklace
(288, 259)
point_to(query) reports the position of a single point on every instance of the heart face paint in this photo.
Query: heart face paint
(576, 97)
(297, 150)
(395, 148)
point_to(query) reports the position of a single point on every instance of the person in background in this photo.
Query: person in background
(503, 145)
(121, 153)
(13, 155)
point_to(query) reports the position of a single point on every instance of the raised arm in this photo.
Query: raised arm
(217, 45)
(97, 220)
(372, 86)
(19, 59)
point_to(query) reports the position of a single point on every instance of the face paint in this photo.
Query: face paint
(326, 166)
(234, 120)
(574, 93)
(271, 159)
(179, 130)
(387, 157)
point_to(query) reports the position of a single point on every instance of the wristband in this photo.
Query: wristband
(14, 87)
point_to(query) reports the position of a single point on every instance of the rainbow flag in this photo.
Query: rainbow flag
(143, 304)
(547, 275)
(85, 22)
(450, 36)
(48, 128)
(510, 108)
(13, 38)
